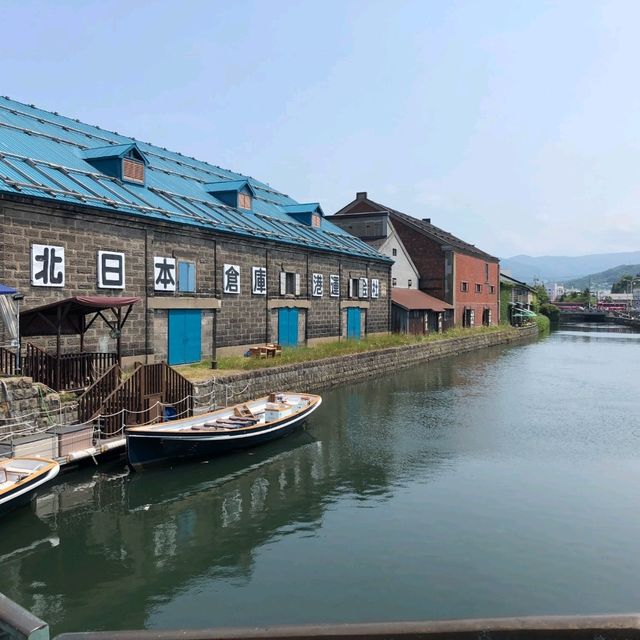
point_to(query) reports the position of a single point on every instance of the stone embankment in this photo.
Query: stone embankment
(316, 375)
(27, 406)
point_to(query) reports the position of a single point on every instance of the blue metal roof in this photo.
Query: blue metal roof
(307, 207)
(44, 155)
(110, 151)
(227, 185)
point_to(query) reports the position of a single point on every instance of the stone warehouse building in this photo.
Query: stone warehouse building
(219, 260)
(429, 259)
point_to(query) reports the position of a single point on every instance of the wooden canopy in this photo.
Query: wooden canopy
(75, 316)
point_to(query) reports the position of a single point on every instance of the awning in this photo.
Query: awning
(415, 300)
(6, 291)
(69, 316)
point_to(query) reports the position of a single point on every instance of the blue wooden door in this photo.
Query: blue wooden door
(353, 323)
(288, 327)
(185, 339)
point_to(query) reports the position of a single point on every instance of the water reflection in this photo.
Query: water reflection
(399, 491)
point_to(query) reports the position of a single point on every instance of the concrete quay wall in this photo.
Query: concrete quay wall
(309, 377)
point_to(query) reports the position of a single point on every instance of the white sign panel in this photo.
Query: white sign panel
(334, 286)
(47, 265)
(231, 278)
(375, 288)
(364, 288)
(317, 285)
(110, 270)
(259, 281)
(164, 274)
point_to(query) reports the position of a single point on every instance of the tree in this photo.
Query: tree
(623, 285)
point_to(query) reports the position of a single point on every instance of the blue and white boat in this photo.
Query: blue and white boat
(21, 477)
(238, 427)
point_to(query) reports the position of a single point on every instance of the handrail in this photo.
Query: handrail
(17, 623)
(614, 627)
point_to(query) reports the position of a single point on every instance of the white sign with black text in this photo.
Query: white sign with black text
(47, 265)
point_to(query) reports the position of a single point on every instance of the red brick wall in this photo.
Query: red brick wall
(472, 270)
(428, 257)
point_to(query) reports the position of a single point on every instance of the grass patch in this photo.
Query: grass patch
(544, 324)
(327, 350)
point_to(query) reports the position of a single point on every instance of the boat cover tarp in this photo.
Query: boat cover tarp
(69, 314)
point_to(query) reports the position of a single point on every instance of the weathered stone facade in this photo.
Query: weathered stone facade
(230, 321)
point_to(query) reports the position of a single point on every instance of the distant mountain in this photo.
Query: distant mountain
(563, 268)
(602, 281)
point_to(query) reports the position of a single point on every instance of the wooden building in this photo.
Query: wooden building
(417, 313)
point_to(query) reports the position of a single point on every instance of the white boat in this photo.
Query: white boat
(241, 426)
(21, 477)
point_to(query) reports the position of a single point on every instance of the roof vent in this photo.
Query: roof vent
(361, 195)
(308, 213)
(427, 220)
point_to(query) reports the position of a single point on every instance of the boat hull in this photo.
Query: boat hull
(149, 449)
(22, 494)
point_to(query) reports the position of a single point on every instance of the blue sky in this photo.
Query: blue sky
(515, 125)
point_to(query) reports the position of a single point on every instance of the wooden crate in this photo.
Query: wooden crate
(40, 445)
(73, 437)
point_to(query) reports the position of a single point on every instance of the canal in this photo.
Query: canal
(503, 482)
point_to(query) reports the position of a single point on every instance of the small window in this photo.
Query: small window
(244, 201)
(486, 272)
(394, 252)
(354, 287)
(492, 289)
(478, 288)
(464, 286)
(409, 283)
(394, 282)
(186, 277)
(315, 220)
(133, 170)
(289, 283)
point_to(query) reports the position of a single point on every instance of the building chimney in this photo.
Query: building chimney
(361, 195)
(427, 220)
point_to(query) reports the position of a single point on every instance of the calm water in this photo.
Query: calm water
(505, 482)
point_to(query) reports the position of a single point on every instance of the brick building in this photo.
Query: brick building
(219, 260)
(448, 268)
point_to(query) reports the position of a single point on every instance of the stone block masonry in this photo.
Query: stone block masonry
(314, 376)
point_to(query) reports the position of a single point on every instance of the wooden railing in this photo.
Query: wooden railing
(91, 401)
(8, 362)
(69, 372)
(143, 398)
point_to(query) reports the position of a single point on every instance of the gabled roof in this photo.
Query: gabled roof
(225, 186)
(112, 151)
(42, 156)
(422, 226)
(510, 280)
(416, 300)
(308, 207)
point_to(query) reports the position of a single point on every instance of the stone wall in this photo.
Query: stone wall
(27, 407)
(242, 319)
(314, 376)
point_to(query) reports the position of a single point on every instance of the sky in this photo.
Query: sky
(512, 124)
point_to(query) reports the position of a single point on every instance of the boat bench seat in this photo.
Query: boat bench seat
(19, 472)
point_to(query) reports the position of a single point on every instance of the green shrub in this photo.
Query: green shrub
(544, 324)
(551, 311)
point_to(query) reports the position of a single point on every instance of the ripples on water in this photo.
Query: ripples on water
(503, 482)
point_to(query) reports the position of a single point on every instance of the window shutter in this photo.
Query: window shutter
(133, 170)
(283, 283)
(297, 284)
(351, 287)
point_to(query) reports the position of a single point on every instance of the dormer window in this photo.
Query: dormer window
(133, 170)
(123, 161)
(244, 201)
(233, 193)
(310, 213)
